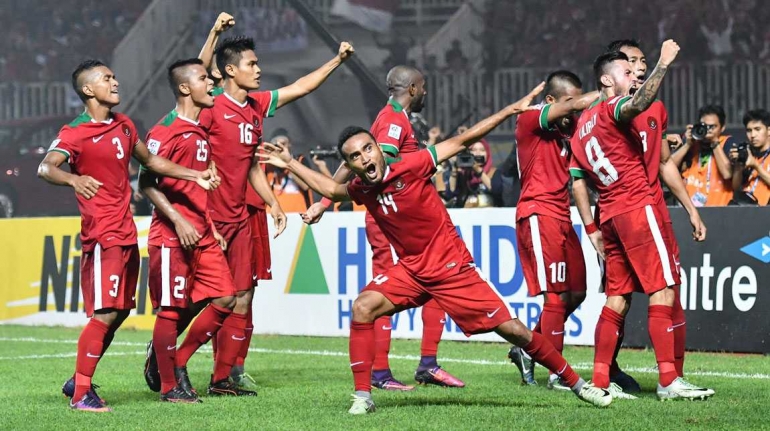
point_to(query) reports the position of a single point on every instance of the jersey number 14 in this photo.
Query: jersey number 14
(386, 201)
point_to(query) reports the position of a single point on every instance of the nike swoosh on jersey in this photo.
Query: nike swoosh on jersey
(386, 328)
(97, 139)
(227, 117)
(186, 135)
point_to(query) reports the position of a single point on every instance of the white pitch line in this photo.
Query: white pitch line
(332, 353)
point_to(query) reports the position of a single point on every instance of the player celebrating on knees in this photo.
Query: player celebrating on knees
(433, 260)
(549, 249)
(650, 130)
(97, 145)
(631, 239)
(234, 126)
(187, 264)
(394, 134)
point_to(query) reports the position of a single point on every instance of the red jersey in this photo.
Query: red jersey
(102, 150)
(605, 151)
(183, 142)
(393, 130)
(235, 131)
(649, 128)
(543, 156)
(409, 212)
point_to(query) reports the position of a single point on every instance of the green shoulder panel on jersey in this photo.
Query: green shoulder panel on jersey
(273, 103)
(597, 101)
(618, 105)
(217, 91)
(59, 150)
(433, 154)
(396, 106)
(544, 117)
(389, 149)
(169, 118)
(390, 160)
(80, 119)
(577, 173)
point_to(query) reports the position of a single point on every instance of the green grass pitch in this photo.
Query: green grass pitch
(305, 384)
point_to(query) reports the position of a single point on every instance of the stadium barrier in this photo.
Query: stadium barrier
(318, 271)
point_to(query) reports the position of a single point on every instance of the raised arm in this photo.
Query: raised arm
(50, 170)
(224, 22)
(452, 146)
(308, 83)
(279, 156)
(560, 109)
(648, 92)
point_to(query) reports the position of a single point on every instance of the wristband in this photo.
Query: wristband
(326, 202)
(591, 228)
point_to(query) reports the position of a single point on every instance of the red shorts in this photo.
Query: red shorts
(551, 255)
(108, 278)
(670, 238)
(383, 255)
(637, 258)
(466, 297)
(179, 276)
(261, 238)
(239, 253)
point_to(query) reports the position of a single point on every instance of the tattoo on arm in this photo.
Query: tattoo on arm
(645, 95)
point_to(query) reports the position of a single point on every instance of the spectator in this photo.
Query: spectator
(707, 171)
(293, 194)
(751, 164)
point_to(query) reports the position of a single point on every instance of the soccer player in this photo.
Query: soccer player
(394, 134)
(650, 130)
(234, 126)
(433, 260)
(636, 256)
(224, 22)
(549, 249)
(97, 145)
(187, 263)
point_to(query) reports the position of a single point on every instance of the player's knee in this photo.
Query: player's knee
(515, 332)
(365, 308)
(576, 298)
(619, 304)
(107, 316)
(663, 297)
(225, 302)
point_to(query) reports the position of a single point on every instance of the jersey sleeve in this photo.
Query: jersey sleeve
(267, 102)
(663, 120)
(354, 191)
(423, 163)
(614, 105)
(206, 119)
(66, 144)
(575, 170)
(134, 134)
(159, 144)
(390, 133)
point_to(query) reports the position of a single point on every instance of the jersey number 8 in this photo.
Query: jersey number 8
(600, 162)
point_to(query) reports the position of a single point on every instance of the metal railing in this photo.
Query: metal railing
(417, 12)
(37, 100)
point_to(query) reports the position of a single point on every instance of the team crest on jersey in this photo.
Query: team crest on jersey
(126, 131)
(256, 122)
(399, 184)
(652, 123)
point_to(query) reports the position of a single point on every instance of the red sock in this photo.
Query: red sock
(552, 324)
(662, 337)
(543, 352)
(433, 320)
(206, 325)
(245, 345)
(680, 333)
(230, 339)
(164, 337)
(90, 346)
(605, 341)
(382, 329)
(362, 354)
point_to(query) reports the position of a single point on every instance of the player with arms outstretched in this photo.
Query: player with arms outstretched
(549, 249)
(433, 260)
(97, 145)
(394, 134)
(631, 239)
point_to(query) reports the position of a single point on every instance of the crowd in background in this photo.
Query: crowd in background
(43, 39)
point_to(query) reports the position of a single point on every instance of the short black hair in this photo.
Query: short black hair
(617, 45)
(85, 66)
(176, 74)
(757, 115)
(717, 110)
(601, 63)
(554, 79)
(230, 50)
(348, 133)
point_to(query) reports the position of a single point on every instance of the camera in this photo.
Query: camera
(743, 152)
(699, 131)
(465, 160)
(325, 153)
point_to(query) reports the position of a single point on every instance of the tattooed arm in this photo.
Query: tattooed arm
(647, 93)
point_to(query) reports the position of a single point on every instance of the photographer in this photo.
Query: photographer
(470, 178)
(707, 170)
(751, 164)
